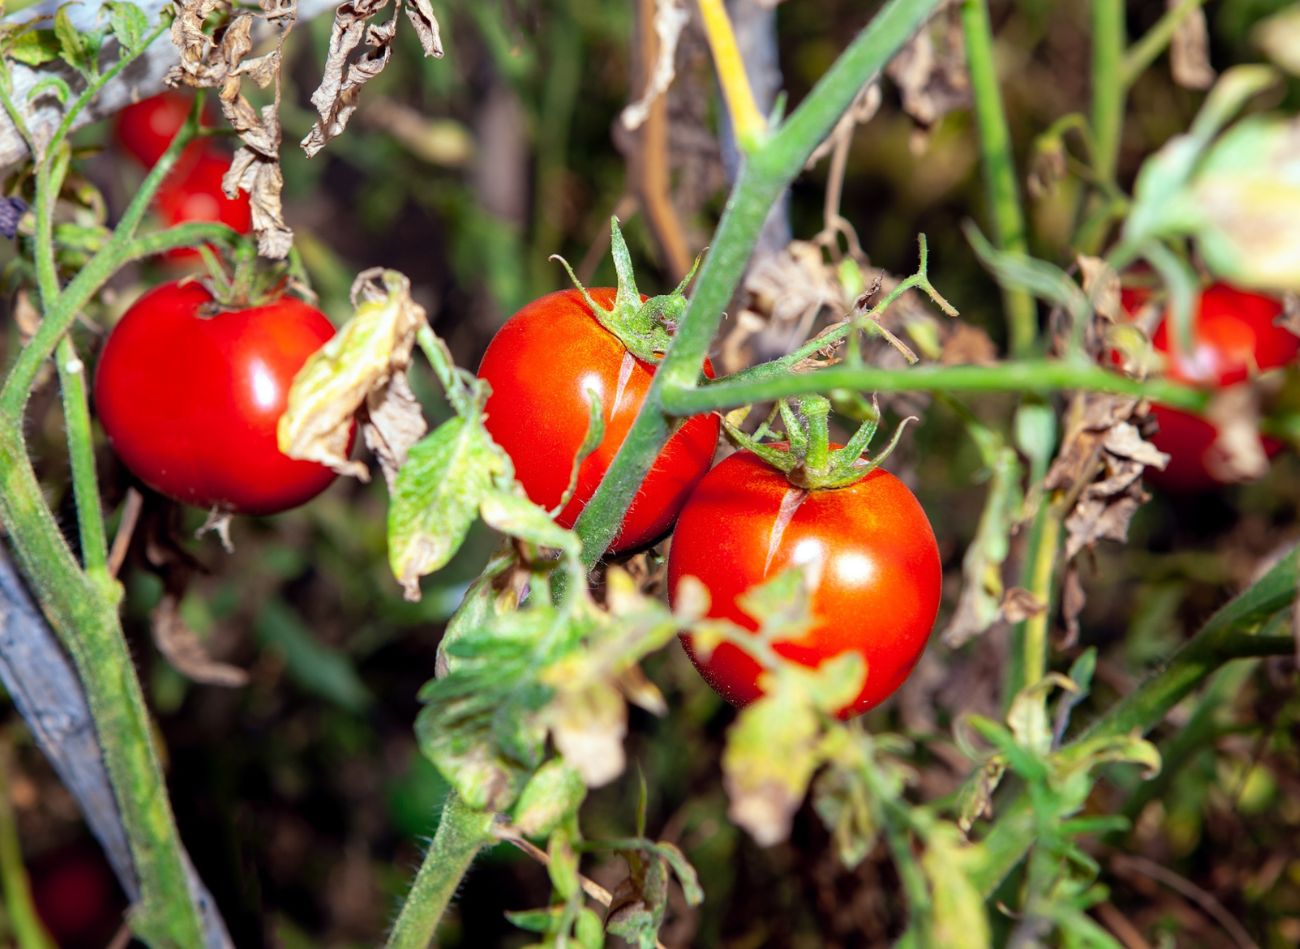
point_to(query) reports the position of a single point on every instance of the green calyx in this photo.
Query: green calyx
(645, 328)
(807, 460)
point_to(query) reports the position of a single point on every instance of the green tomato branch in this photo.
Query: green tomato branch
(1038, 376)
(1225, 636)
(999, 169)
(769, 167)
(462, 833)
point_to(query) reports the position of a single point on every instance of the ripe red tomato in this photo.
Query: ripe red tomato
(193, 193)
(868, 549)
(190, 396)
(1234, 336)
(541, 364)
(147, 127)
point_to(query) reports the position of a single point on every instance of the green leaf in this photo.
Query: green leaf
(537, 920)
(436, 496)
(563, 868)
(55, 86)
(33, 47)
(515, 515)
(74, 46)
(588, 930)
(129, 24)
(551, 796)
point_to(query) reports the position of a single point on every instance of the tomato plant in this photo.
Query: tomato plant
(145, 128)
(1235, 335)
(867, 548)
(190, 392)
(544, 365)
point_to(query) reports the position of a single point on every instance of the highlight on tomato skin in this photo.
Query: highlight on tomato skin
(542, 366)
(144, 129)
(868, 548)
(190, 395)
(1235, 336)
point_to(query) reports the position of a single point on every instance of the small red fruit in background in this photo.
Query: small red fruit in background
(1235, 336)
(867, 548)
(190, 395)
(147, 127)
(77, 898)
(192, 192)
(541, 365)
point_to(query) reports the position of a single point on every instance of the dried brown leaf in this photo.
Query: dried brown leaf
(967, 345)
(1019, 604)
(355, 369)
(394, 422)
(186, 652)
(221, 61)
(1098, 472)
(420, 13)
(1101, 284)
(931, 76)
(671, 17)
(349, 66)
(1189, 50)
(1238, 454)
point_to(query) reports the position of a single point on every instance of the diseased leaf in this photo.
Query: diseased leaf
(394, 422)
(358, 367)
(769, 760)
(436, 496)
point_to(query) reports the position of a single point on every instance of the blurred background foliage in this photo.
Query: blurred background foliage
(301, 796)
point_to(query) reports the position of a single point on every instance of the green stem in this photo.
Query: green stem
(1143, 53)
(81, 452)
(768, 170)
(1222, 639)
(28, 932)
(462, 833)
(1033, 632)
(1107, 86)
(1041, 376)
(56, 321)
(999, 169)
(84, 616)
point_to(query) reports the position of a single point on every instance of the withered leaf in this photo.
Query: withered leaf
(968, 345)
(1189, 50)
(186, 652)
(1099, 472)
(930, 76)
(1101, 284)
(206, 62)
(394, 422)
(670, 18)
(356, 367)
(347, 70)
(1019, 604)
(1237, 454)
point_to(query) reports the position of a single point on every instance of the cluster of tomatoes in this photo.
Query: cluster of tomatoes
(190, 394)
(192, 192)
